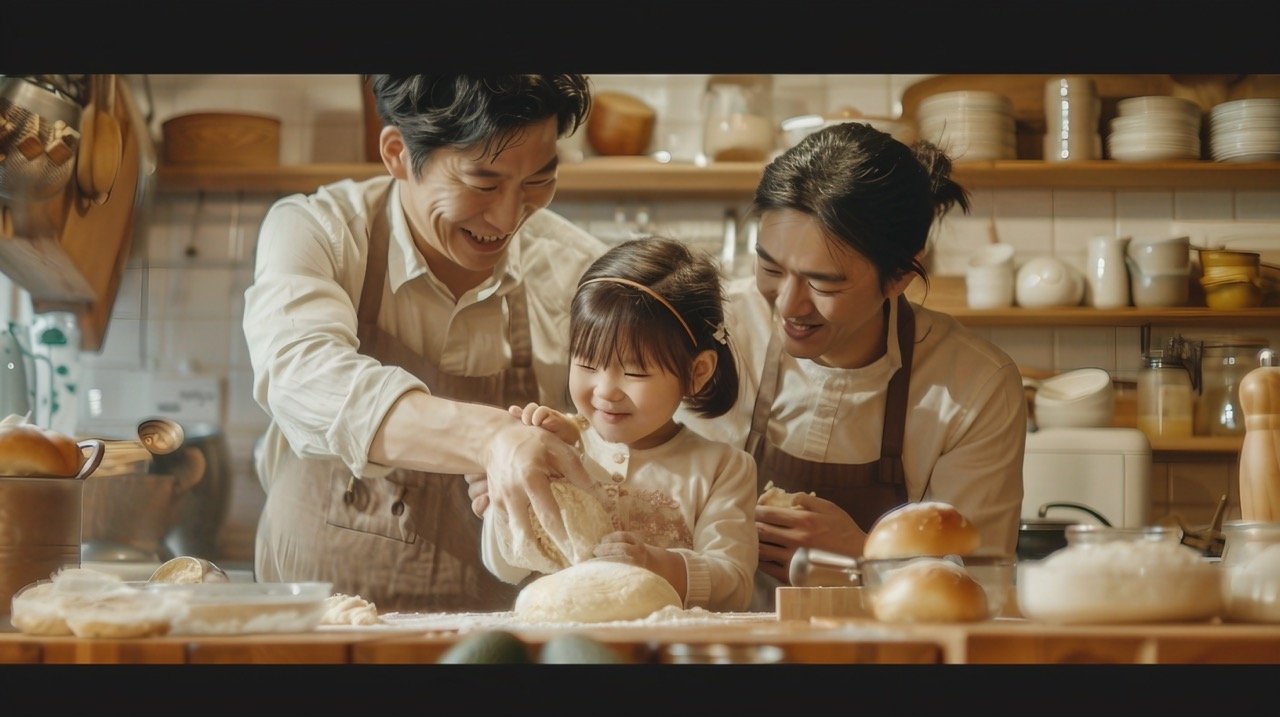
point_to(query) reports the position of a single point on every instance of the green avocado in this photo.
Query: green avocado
(575, 649)
(490, 647)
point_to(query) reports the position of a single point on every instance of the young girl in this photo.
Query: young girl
(646, 335)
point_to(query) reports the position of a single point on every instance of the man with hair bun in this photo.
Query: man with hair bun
(849, 390)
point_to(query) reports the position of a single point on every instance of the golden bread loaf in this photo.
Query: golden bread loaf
(29, 450)
(929, 590)
(929, 528)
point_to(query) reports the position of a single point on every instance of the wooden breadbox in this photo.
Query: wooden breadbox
(223, 138)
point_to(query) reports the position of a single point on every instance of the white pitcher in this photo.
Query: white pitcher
(1106, 272)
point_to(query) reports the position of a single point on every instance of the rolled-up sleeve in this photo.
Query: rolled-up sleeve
(327, 399)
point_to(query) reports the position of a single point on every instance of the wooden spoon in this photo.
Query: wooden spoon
(108, 145)
(84, 157)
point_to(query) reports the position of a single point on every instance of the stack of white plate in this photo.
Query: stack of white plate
(1155, 128)
(1245, 131)
(969, 125)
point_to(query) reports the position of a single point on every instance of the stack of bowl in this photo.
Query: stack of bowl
(1231, 279)
(1159, 270)
(1155, 128)
(969, 125)
(1245, 131)
(1083, 398)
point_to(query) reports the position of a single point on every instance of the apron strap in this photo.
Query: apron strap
(375, 272)
(764, 397)
(895, 402)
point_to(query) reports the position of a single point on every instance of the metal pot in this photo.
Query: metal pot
(1038, 537)
(40, 525)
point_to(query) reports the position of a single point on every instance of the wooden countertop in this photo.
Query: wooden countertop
(817, 641)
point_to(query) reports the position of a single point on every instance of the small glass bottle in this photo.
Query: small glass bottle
(1164, 396)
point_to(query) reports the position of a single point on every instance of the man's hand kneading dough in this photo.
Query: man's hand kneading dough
(520, 463)
(809, 520)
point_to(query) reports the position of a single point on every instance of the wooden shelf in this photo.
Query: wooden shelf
(1086, 316)
(645, 177)
(947, 294)
(1207, 445)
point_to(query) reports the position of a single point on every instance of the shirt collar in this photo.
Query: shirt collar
(878, 371)
(405, 262)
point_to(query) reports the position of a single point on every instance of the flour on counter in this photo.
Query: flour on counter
(467, 621)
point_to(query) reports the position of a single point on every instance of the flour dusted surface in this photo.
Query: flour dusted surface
(467, 621)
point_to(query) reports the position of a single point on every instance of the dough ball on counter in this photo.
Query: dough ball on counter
(585, 520)
(342, 609)
(929, 528)
(596, 591)
(929, 590)
(777, 497)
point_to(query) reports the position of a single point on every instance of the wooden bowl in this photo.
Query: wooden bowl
(224, 138)
(620, 124)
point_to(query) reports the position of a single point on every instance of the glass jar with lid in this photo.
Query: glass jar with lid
(1164, 396)
(738, 118)
(1222, 363)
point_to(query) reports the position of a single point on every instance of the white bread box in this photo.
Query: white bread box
(1107, 469)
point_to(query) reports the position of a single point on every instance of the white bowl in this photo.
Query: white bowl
(1150, 290)
(1072, 386)
(965, 99)
(797, 128)
(998, 254)
(1048, 281)
(1157, 103)
(1160, 255)
(1083, 398)
(989, 286)
(1250, 107)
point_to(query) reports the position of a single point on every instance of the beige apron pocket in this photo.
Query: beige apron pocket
(370, 505)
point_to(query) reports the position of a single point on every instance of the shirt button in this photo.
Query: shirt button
(618, 458)
(617, 477)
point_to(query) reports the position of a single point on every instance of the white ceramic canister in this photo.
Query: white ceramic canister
(1106, 272)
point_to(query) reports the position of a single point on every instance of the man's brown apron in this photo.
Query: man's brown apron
(409, 541)
(865, 491)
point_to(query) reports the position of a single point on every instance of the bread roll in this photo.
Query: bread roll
(929, 590)
(29, 450)
(915, 529)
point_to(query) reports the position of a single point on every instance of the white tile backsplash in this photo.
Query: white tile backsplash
(1080, 215)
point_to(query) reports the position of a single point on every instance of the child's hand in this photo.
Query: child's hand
(630, 548)
(548, 418)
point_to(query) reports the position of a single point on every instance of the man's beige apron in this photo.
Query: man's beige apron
(408, 542)
(865, 491)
